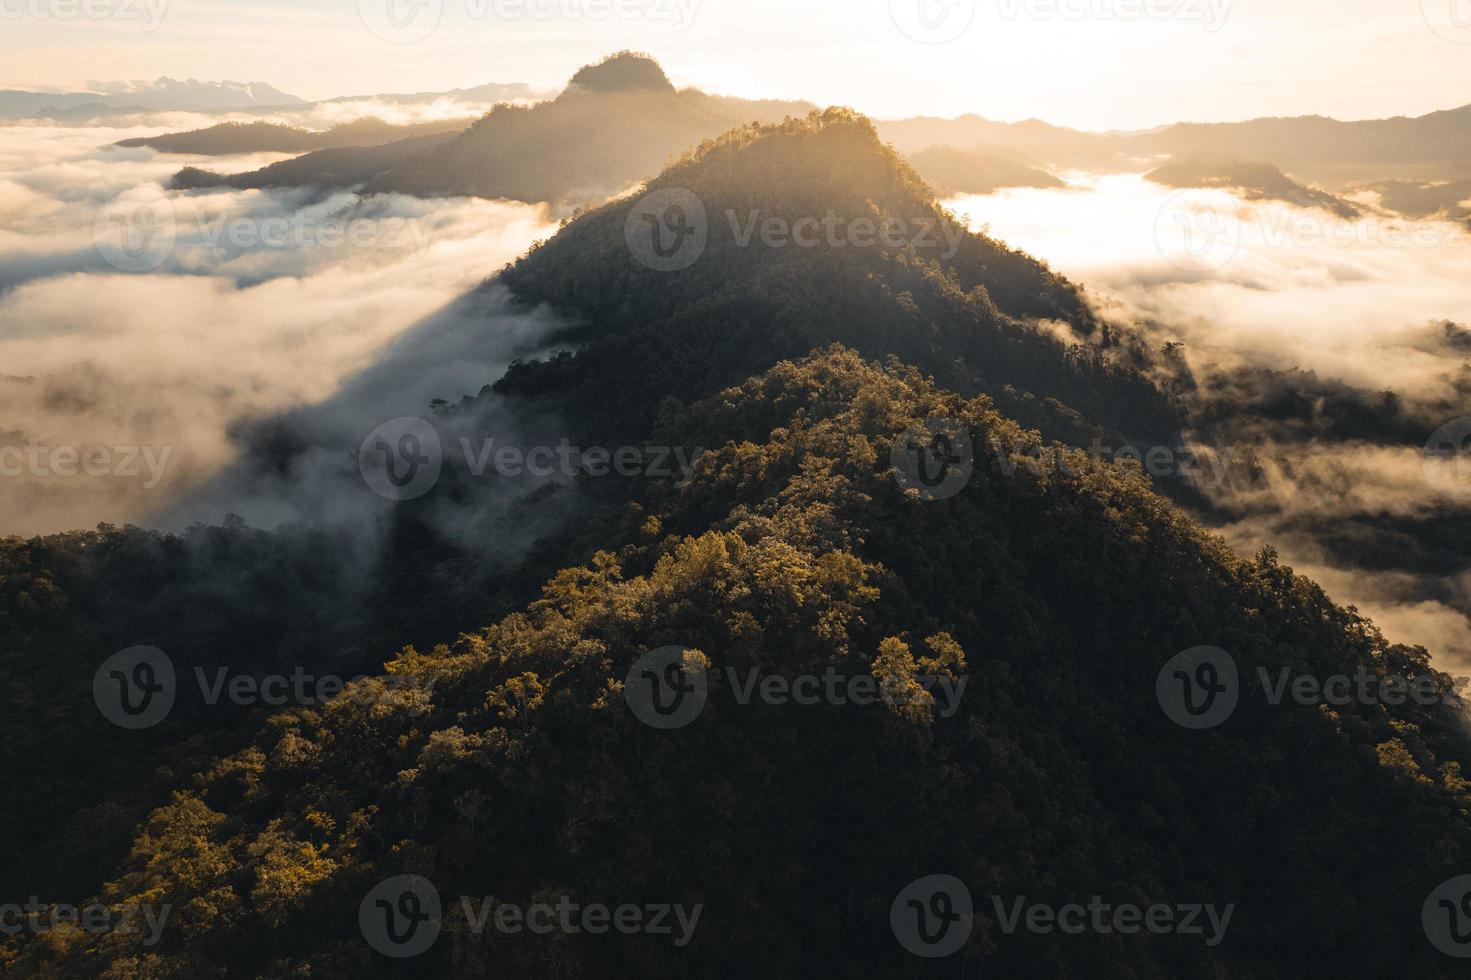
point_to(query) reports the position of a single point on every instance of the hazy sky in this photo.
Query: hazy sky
(1090, 63)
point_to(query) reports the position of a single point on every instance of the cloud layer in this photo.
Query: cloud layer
(263, 302)
(1254, 291)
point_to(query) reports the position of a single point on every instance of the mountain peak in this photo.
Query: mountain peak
(624, 71)
(802, 234)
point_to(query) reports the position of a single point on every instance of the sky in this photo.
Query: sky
(1093, 64)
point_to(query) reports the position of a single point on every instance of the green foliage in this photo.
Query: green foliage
(1058, 593)
(967, 318)
(520, 772)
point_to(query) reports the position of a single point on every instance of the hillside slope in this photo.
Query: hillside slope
(1057, 587)
(1255, 181)
(229, 138)
(1436, 146)
(977, 171)
(955, 304)
(794, 549)
(344, 167)
(616, 123)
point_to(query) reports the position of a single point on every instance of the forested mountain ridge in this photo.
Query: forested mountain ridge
(959, 305)
(980, 170)
(795, 549)
(261, 137)
(515, 768)
(1328, 151)
(616, 122)
(1255, 181)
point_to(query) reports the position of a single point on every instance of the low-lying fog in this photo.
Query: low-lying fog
(1267, 285)
(139, 329)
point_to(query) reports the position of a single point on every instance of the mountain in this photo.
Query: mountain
(624, 71)
(1449, 199)
(977, 171)
(230, 138)
(1255, 181)
(347, 166)
(958, 305)
(476, 95)
(1328, 150)
(162, 94)
(617, 122)
(1436, 146)
(516, 764)
(1033, 139)
(127, 98)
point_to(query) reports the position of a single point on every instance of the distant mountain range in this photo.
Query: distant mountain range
(812, 538)
(493, 92)
(1255, 181)
(1309, 147)
(621, 120)
(616, 123)
(228, 138)
(164, 94)
(977, 171)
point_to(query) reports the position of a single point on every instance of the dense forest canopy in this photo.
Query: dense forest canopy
(1017, 625)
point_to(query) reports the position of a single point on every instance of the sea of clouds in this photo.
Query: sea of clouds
(1273, 286)
(135, 354)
